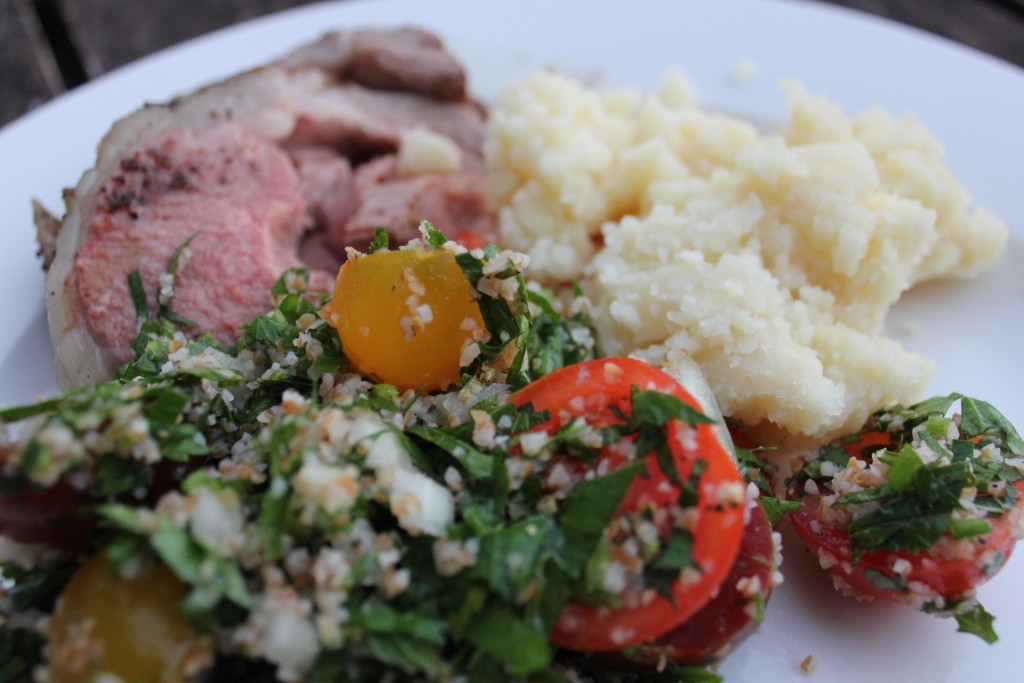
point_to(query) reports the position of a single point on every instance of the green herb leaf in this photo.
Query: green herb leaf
(380, 241)
(532, 541)
(479, 465)
(504, 636)
(866, 496)
(777, 508)
(981, 418)
(116, 475)
(138, 293)
(271, 329)
(978, 622)
(19, 413)
(433, 236)
(588, 510)
(887, 582)
(677, 553)
(904, 469)
(177, 549)
(969, 528)
(656, 408)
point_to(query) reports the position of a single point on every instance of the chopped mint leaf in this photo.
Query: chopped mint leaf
(380, 241)
(502, 322)
(832, 453)
(903, 522)
(271, 329)
(982, 419)
(587, 510)
(177, 318)
(664, 569)
(533, 541)
(978, 622)
(433, 236)
(689, 491)
(479, 465)
(138, 293)
(938, 404)
(177, 549)
(502, 635)
(904, 468)
(655, 408)
(777, 508)
(887, 582)
(865, 496)
(677, 553)
(116, 475)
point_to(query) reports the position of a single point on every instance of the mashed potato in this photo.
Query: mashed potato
(770, 259)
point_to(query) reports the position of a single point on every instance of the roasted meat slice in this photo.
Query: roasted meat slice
(244, 168)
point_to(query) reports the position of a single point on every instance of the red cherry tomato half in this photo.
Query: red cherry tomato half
(732, 615)
(61, 517)
(125, 626)
(950, 577)
(55, 517)
(599, 391)
(471, 239)
(935, 571)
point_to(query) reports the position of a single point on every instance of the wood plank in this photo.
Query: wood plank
(110, 33)
(28, 72)
(106, 34)
(992, 26)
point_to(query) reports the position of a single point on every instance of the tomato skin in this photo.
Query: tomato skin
(403, 316)
(471, 239)
(938, 572)
(126, 626)
(952, 578)
(61, 517)
(55, 517)
(727, 618)
(596, 390)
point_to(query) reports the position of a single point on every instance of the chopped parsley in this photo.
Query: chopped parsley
(267, 473)
(923, 481)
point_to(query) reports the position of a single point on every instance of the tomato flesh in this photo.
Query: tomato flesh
(600, 391)
(126, 626)
(404, 316)
(937, 571)
(56, 517)
(731, 615)
(949, 577)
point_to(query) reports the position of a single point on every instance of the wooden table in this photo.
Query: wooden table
(49, 46)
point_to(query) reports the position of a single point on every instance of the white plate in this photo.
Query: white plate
(972, 102)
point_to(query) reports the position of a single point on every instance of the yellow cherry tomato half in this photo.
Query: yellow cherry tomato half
(405, 317)
(127, 626)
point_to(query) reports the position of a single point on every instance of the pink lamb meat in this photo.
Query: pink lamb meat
(235, 192)
(213, 164)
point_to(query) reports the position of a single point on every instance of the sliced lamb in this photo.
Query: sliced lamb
(361, 122)
(325, 180)
(301, 99)
(408, 60)
(234, 191)
(453, 201)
